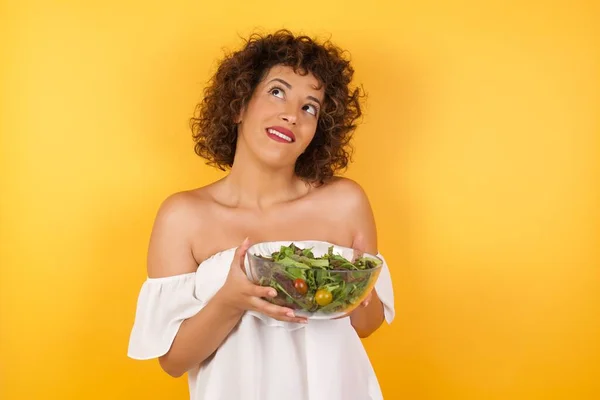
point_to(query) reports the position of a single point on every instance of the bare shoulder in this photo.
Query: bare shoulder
(177, 207)
(349, 200)
(177, 220)
(347, 191)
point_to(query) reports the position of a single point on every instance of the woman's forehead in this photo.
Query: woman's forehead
(294, 79)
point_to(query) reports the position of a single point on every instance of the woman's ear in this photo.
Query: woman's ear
(238, 118)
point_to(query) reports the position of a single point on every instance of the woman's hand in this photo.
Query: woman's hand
(367, 299)
(239, 293)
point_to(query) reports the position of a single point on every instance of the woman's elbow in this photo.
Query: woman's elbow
(365, 333)
(170, 367)
(366, 328)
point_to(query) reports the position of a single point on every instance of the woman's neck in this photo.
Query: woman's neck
(253, 185)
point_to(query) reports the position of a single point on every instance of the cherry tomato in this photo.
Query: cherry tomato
(323, 297)
(300, 285)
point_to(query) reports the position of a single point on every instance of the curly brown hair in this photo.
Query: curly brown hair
(213, 125)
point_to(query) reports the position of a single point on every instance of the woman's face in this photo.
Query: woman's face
(281, 118)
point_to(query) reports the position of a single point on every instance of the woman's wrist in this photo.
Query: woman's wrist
(223, 300)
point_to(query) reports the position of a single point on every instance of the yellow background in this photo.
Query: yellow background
(479, 151)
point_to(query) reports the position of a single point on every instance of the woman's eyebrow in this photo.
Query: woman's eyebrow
(282, 81)
(314, 99)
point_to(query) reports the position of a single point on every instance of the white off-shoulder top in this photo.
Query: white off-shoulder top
(262, 358)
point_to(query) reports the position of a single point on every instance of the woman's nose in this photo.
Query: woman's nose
(289, 117)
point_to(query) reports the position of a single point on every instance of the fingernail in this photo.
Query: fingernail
(290, 314)
(366, 303)
(272, 293)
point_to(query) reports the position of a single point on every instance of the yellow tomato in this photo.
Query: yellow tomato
(323, 297)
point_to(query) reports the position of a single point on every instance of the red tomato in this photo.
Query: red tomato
(300, 285)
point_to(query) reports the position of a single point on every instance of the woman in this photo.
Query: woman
(279, 113)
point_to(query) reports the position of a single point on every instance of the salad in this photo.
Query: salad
(328, 284)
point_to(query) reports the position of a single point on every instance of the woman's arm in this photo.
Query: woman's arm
(170, 254)
(199, 336)
(368, 317)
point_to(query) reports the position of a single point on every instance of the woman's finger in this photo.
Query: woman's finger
(276, 312)
(240, 253)
(262, 291)
(367, 299)
(265, 307)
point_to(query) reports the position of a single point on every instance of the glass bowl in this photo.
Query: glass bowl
(318, 280)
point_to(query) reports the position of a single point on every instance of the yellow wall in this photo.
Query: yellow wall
(482, 130)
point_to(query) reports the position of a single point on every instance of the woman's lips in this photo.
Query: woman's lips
(281, 134)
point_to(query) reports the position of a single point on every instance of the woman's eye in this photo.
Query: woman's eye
(276, 92)
(310, 109)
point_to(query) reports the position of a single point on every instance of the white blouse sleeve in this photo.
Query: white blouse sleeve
(385, 291)
(163, 304)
